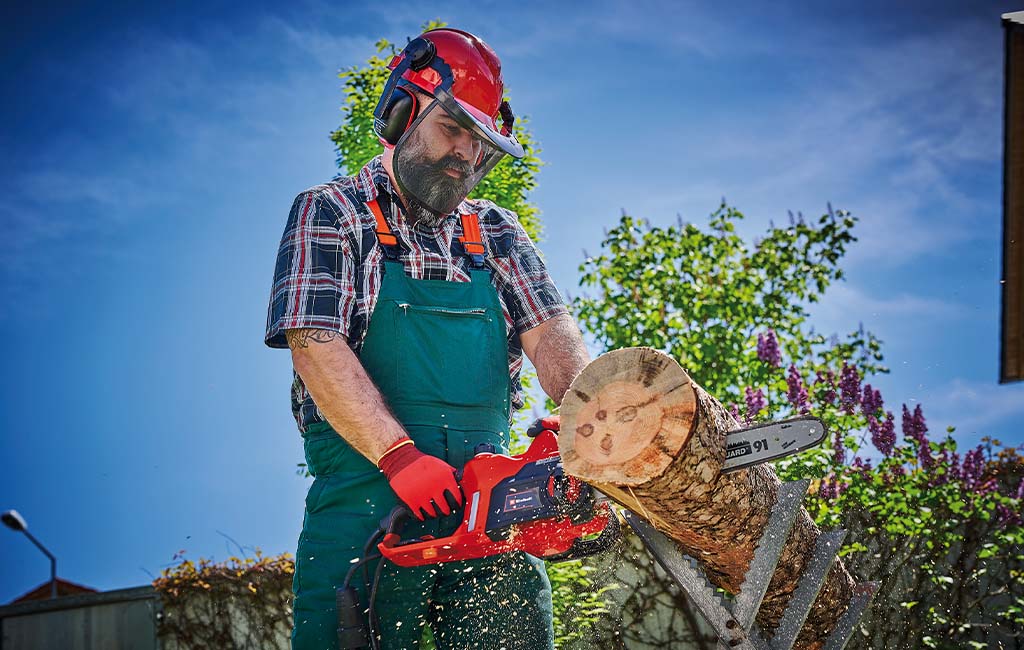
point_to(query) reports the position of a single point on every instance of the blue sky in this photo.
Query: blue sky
(150, 156)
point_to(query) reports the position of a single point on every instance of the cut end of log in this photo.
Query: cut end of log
(626, 416)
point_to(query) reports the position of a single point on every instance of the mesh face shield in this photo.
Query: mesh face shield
(446, 151)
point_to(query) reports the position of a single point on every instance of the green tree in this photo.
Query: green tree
(941, 533)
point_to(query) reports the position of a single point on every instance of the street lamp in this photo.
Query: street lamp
(16, 522)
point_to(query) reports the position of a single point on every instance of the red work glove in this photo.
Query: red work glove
(552, 422)
(424, 483)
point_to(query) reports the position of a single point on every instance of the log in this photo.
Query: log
(636, 427)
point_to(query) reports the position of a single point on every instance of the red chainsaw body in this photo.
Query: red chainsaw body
(513, 503)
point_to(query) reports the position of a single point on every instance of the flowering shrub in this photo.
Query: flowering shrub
(941, 535)
(938, 528)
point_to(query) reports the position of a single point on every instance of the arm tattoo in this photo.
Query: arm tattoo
(301, 338)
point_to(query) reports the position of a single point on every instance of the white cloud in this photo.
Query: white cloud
(844, 301)
(978, 409)
(890, 134)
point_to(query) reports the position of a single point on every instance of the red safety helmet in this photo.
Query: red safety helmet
(462, 73)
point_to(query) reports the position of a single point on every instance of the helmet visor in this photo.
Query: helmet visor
(472, 118)
(441, 158)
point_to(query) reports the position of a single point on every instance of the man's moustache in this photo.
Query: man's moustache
(459, 165)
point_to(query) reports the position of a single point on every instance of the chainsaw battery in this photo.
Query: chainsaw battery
(539, 490)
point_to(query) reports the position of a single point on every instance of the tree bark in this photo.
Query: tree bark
(636, 427)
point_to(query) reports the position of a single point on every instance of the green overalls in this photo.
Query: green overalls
(437, 351)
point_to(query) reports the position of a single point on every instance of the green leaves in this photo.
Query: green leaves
(578, 600)
(703, 295)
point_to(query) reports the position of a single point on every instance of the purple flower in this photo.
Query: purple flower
(973, 469)
(828, 396)
(908, 424)
(849, 387)
(829, 488)
(955, 473)
(861, 466)
(1020, 491)
(839, 457)
(755, 402)
(797, 394)
(734, 411)
(871, 400)
(949, 463)
(1007, 517)
(883, 434)
(768, 349)
(914, 428)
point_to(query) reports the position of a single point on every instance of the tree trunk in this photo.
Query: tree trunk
(636, 427)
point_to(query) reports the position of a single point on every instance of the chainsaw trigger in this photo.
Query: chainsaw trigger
(453, 501)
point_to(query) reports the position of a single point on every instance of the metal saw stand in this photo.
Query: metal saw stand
(733, 622)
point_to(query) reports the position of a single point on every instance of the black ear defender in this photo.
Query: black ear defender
(398, 105)
(398, 115)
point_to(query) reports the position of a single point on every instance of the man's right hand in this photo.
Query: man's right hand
(424, 483)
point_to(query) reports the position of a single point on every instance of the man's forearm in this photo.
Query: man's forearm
(343, 391)
(559, 354)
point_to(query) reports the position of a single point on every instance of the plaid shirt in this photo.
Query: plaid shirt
(330, 266)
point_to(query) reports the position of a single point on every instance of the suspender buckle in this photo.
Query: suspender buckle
(471, 240)
(387, 239)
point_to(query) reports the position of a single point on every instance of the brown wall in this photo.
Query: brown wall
(1011, 367)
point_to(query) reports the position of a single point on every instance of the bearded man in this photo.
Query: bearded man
(407, 308)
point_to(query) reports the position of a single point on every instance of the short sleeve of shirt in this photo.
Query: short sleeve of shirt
(530, 294)
(314, 278)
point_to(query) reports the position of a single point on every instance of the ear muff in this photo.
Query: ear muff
(399, 112)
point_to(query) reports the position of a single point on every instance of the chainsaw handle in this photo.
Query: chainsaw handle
(395, 520)
(548, 423)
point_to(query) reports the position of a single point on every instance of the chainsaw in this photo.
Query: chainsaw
(517, 503)
(527, 502)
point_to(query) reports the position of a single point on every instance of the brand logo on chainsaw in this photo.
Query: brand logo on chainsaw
(522, 500)
(737, 449)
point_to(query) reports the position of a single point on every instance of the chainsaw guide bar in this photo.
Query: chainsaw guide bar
(771, 441)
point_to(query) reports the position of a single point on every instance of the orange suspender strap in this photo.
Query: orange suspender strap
(471, 239)
(384, 234)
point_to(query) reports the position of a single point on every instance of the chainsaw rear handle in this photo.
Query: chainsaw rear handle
(393, 522)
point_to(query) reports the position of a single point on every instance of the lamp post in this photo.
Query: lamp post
(16, 522)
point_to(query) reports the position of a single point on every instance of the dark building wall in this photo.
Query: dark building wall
(113, 620)
(1012, 348)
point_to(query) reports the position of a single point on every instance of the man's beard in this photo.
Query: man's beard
(426, 188)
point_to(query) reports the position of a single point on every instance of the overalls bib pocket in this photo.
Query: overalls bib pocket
(426, 365)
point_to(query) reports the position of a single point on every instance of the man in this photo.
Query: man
(407, 309)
